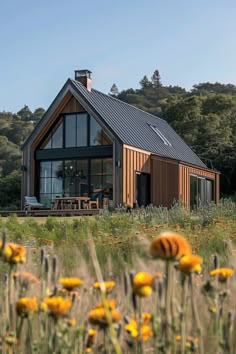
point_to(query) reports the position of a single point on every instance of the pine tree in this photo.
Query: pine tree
(114, 90)
(156, 79)
(144, 83)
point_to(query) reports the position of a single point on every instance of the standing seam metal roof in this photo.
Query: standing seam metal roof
(131, 125)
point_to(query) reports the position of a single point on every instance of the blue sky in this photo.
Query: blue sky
(43, 42)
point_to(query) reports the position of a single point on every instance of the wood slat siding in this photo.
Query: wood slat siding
(164, 181)
(184, 182)
(133, 160)
(73, 106)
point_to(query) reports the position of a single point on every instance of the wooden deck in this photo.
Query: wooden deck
(47, 212)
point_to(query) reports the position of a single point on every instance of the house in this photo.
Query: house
(89, 143)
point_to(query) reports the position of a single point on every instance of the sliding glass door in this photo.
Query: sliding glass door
(76, 178)
(201, 191)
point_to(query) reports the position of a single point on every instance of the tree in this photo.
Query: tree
(145, 83)
(37, 115)
(25, 113)
(156, 79)
(114, 90)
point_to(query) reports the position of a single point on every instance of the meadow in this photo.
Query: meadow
(118, 283)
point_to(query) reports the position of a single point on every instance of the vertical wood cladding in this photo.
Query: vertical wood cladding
(164, 181)
(184, 182)
(73, 106)
(133, 160)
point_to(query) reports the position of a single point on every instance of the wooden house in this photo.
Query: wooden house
(89, 143)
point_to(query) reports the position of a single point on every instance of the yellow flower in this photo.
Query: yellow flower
(142, 283)
(13, 253)
(109, 285)
(25, 276)
(222, 273)
(97, 316)
(92, 333)
(111, 304)
(57, 305)
(70, 283)
(26, 306)
(170, 246)
(146, 331)
(71, 322)
(189, 264)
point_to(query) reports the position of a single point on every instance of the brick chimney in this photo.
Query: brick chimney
(84, 76)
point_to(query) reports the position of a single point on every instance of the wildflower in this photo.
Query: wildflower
(70, 283)
(142, 283)
(170, 246)
(146, 331)
(109, 285)
(222, 273)
(26, 277)
(111, 304)
(98, 315)
(57, 305)
(71, 322)
(13, 253)
(189, 264)
(92, 333)
(26, 306)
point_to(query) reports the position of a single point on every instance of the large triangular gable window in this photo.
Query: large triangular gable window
(161, 136)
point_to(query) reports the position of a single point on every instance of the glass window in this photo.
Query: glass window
(45, 169)
(57, 169)
(70, 126)
(209, 191)
(96, 166)
(97, 135)
(57, 139)
(82, 130)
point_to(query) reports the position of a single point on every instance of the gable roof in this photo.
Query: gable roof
(129, 124)
(133, 126)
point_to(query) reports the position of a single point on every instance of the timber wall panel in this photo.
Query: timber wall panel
(164, 181)
(73, 106)
(133, 160)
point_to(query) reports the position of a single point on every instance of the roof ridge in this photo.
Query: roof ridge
(125, 103)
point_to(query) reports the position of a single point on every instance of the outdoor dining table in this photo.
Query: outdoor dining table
(59, 201)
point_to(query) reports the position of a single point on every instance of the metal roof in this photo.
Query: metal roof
(129, 124)
(133, 126)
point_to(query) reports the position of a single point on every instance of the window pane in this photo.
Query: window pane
(70, 126)
(57, 138)
(69, 187)
(95, 133)
(45, 169)
(96, 167)
(45, 185)
(57, 185)
(107, 166)
(48, 144)
(57, 169)
(82, 130)
(45, 200)
(209, 191)
(193, 191)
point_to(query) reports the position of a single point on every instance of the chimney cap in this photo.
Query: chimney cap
(83, 73)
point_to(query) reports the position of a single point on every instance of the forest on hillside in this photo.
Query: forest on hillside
(205, 117)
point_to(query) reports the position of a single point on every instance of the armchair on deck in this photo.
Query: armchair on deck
(32, 203)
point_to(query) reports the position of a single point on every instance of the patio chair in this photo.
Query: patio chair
(94, 204)
(32, 203)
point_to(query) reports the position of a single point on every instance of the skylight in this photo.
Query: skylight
(161, 136)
